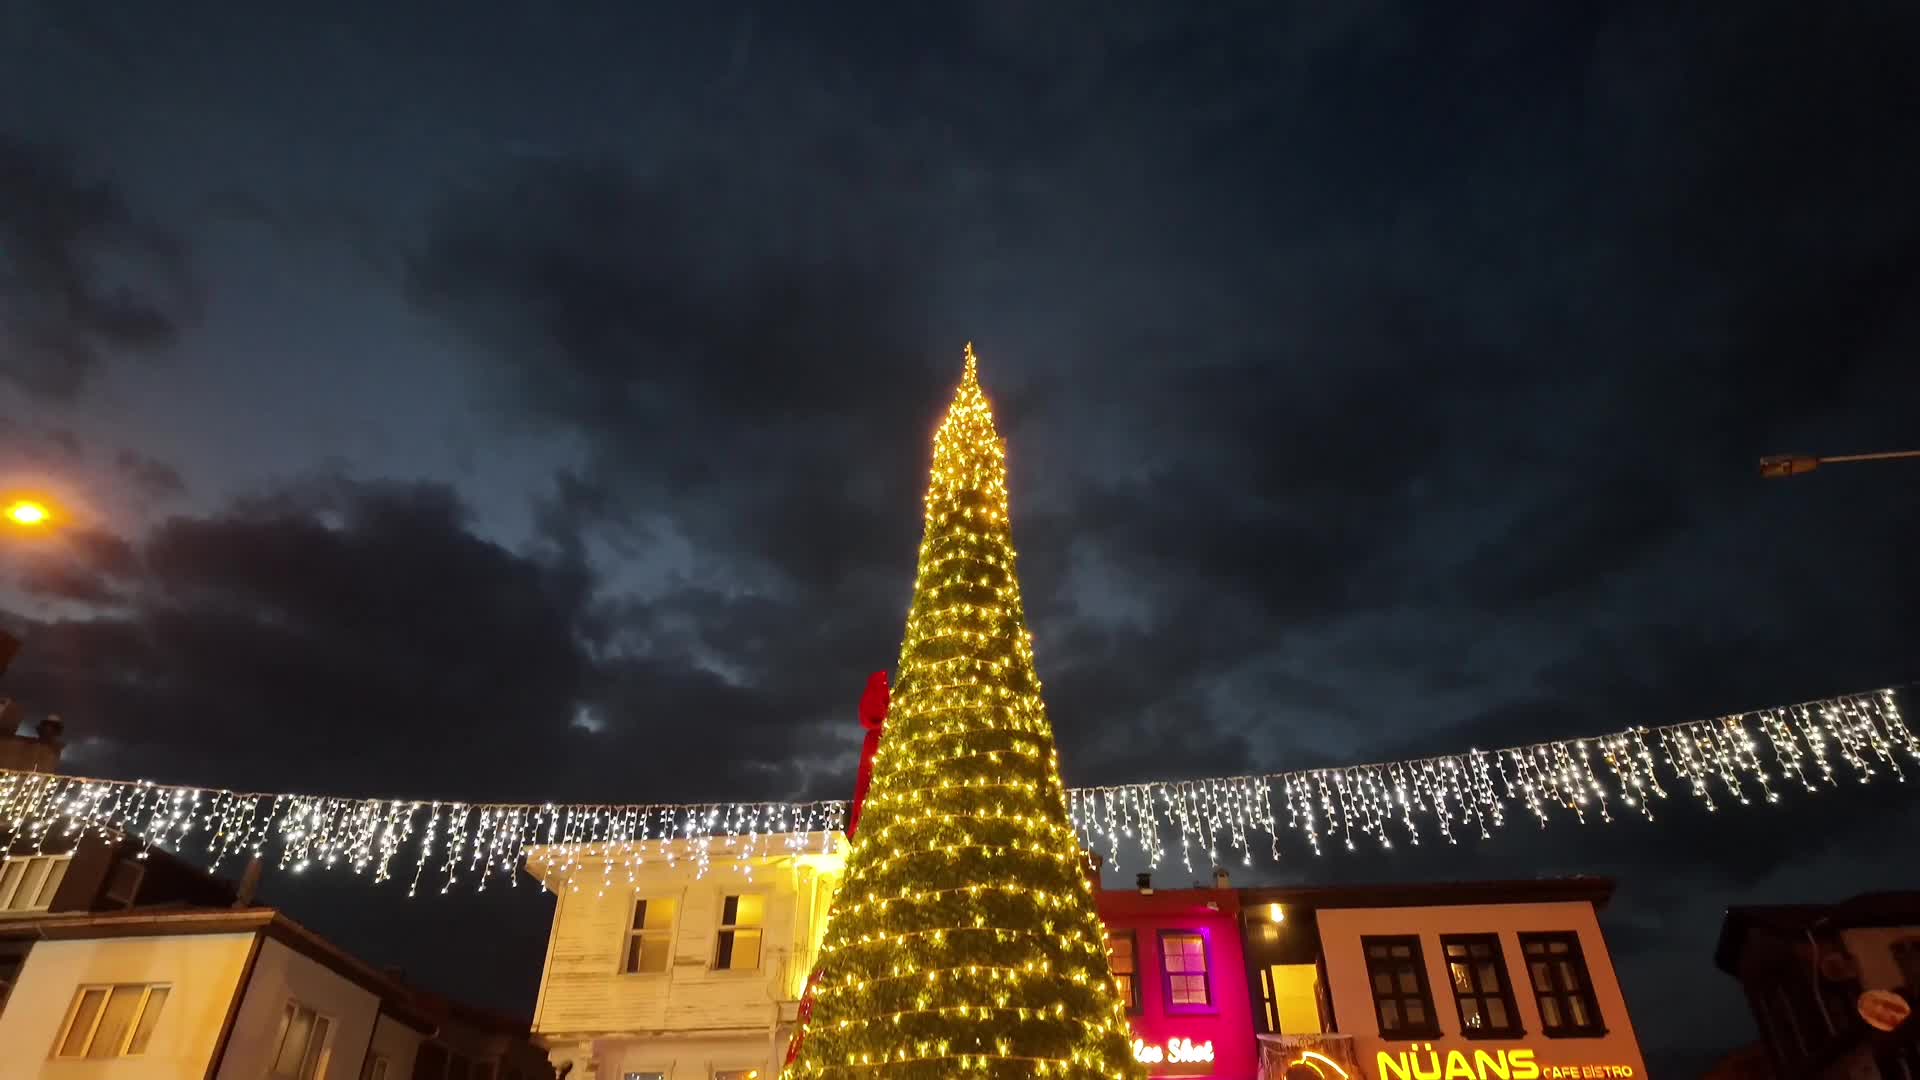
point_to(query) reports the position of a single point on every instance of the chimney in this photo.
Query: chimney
(249, 884)
(53, 732)
(1220, 879)
(1145, 883)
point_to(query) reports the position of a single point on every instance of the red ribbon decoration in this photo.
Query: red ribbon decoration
(873, 717)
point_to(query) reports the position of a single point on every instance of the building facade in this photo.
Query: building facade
(1487, 980)
(1804, 969)
(689, 965)
(1178, 959)
(684, 968)
(228, 995)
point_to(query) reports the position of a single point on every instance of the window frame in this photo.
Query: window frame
(635, 933)
(139, 870)
(288, 1013)
(124, 1050)
(732, 1071)
(1134, 1006)
(1167, 1004)
(723, 928)
(378, 1067)
(63, 861)
(1417, 958)
(1578, 956)
(1514, 1029)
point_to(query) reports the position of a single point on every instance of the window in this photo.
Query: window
(645, 1076)
(124, 885)
(740, 920)
(736, 1074)
(301, 1046)
(1183, 966)
(1125, 975)
(376, 1068)
(111, 1021)
(1561, 985)
(650, 939)
(1397, 974)
(28, 882)
(1481, 990)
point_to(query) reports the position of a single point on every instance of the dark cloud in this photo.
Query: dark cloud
(150, 476)
(82, 277)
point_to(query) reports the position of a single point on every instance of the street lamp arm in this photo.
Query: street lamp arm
(1779, 466)
(1885, 455)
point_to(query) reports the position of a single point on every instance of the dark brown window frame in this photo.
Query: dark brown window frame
(1167, 1005)
(1576, 953)
(1418, 959)
(1503, 992)
(1133, 977)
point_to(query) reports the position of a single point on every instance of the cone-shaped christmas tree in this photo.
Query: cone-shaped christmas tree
(964, 940)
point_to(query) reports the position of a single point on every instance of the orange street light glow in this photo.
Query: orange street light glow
(28, 513)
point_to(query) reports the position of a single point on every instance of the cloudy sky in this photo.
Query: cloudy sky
(534, 403)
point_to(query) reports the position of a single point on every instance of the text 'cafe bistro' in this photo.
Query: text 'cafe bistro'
(1468, 981)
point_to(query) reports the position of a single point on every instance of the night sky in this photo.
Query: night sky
(521, 401)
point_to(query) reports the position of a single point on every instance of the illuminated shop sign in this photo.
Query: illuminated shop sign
(1423, 1062)
(1194, 1058)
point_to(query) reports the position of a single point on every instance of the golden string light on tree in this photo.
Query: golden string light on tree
(964, 938)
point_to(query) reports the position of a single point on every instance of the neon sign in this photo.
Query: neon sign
(1175, 1052)
(1320, 1064)
(1423, 1062)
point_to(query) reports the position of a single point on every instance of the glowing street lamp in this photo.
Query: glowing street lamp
(28, 513)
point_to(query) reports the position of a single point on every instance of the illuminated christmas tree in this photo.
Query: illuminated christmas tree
(964, 940)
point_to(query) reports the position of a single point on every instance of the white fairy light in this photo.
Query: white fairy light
(1862, 736)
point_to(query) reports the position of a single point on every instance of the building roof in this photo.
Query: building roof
(1592, 890)
(397, 1000)
(1867, 909)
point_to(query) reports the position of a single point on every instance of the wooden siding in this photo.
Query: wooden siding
(584, 988)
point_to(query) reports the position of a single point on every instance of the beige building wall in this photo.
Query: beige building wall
(280, 975)
(398, 1044)
(202, 972)
(1341, 930)
(691, 1019)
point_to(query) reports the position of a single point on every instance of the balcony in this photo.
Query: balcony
(1308, 1057)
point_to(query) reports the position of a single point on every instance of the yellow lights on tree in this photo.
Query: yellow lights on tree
(964, 938)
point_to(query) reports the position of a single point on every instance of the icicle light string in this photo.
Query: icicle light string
(1734, 760)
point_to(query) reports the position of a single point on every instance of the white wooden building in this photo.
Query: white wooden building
(677, 967)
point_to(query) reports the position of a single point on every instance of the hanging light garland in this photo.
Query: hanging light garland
(1734, 760)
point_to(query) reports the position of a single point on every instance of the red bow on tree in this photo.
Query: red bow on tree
(873, 717)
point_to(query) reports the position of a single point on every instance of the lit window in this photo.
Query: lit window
(301, 1045)
(1481, 991)
(645, 1076)
(1125, 976)
(740, 920)
(736, 1074)
(376, 1068)
(28, 882)
(1561, 985)
(111, 1021)
(650, 941)
(1397, 976)
(1183, 959)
